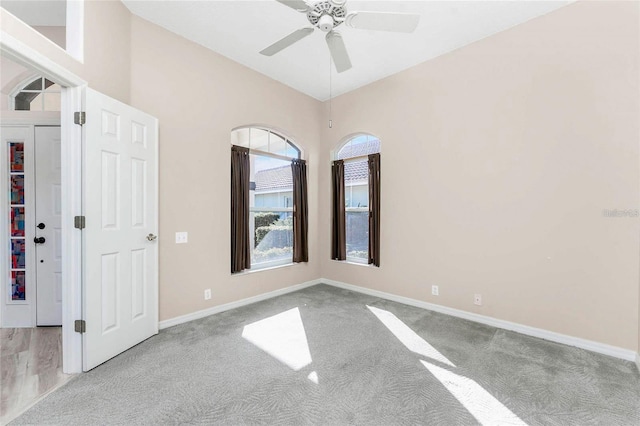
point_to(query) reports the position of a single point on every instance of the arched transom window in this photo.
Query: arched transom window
(38, 94)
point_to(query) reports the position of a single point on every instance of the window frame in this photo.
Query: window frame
(253, 209)
(365, 157)
(21, 88)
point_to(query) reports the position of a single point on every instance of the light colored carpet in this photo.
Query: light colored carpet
(329, 356)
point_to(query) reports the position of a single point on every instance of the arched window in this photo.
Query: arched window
(265, 141)
(271, 195)
(37, 94)
(357, 146)
(354, 152)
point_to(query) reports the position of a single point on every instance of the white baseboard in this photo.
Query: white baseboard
(232, 305)
(590, 345)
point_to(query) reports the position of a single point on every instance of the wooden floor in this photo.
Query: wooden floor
(30, 367)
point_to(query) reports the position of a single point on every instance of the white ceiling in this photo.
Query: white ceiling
(239, 29)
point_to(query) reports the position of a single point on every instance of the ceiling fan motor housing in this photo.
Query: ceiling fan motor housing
(325, 23)
(327, 14)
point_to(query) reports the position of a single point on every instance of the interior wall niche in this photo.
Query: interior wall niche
(47, 17)
(61, 21)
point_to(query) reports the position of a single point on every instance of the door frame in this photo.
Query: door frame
(71, 181)
(13, 120)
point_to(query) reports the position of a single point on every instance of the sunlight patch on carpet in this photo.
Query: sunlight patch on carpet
(480, 403)
(407, 336)
(283, 337)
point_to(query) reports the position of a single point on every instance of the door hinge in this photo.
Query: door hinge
(79, 117)
(79, 222)
(80, 326)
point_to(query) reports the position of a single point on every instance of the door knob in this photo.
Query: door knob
(39, 240)
(41, 226)
(151, 237)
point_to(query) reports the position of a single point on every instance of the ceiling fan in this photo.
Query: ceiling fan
(328, 14)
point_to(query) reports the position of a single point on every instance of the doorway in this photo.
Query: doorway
(69, 244)
(31, 157)
(116, 248)
(31, 309)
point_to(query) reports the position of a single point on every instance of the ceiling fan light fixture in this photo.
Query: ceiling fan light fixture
(326, 23)
(337, 3)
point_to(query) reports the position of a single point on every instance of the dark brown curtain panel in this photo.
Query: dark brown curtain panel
(240, 239)
(300, 211)
(374, 209)
(338, 228)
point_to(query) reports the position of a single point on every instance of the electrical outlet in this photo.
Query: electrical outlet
(477, 299)
(207, 294)
(181, 237)
(434, 290)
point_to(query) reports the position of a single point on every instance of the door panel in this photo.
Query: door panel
(120, 205)
(48, 213)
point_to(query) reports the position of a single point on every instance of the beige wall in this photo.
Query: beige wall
(107, 40)
(11, 74)
(515, 145)
(497, 162)
(199, 97)
(58, 35)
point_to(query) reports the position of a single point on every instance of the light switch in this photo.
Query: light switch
(181, 237)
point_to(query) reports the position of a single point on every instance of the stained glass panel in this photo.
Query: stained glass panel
(17, 221)
(17, 285)
(18, 254)
(16, 156)
(17, 189)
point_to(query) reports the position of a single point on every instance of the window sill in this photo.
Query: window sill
(268, 268)
(351, 262)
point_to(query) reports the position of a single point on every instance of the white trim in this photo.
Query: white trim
(356, 261)
(71, 181)
(24, 80)
(266, 268)
(75, 29)
(232, 305)
(589, 345)
(21, 53)
(28, 118)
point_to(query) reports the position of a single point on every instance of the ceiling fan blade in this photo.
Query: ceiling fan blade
(383, 21)
(338, 51)
(286, 41)
(298, 5)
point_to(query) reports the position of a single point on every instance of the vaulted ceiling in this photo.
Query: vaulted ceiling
(240, 29)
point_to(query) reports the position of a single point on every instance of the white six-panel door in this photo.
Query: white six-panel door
(120, 250)
(48, 211)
